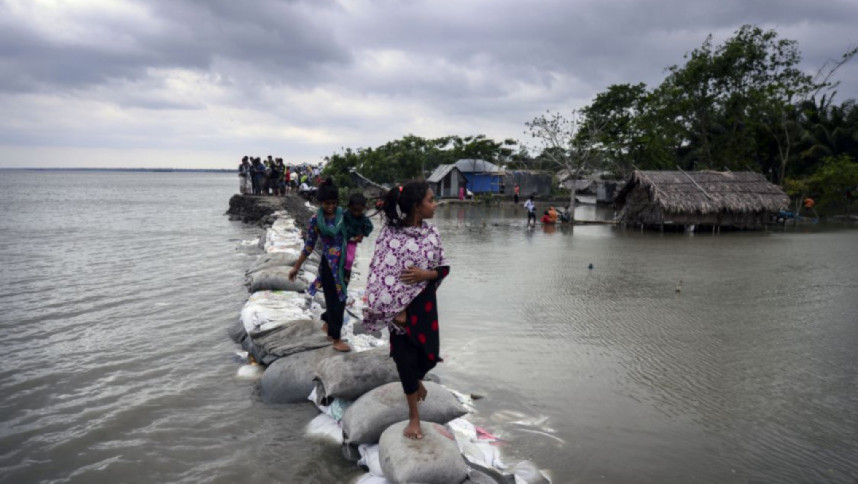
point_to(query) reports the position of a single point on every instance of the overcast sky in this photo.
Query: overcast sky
(198, 84)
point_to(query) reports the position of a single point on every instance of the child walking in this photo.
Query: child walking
(327, 225)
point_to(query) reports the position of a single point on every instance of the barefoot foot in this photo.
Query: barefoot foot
(412, 431)
(342, 346)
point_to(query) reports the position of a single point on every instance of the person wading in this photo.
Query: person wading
(406, 269)
(327, 225)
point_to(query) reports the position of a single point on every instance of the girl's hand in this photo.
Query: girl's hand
(293, 273)
(413, 275)
(399, 320)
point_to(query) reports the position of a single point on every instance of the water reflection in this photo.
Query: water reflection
(736, 377)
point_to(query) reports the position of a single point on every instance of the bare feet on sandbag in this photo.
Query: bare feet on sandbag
(341, 346)
(412, 430)
(421, 391)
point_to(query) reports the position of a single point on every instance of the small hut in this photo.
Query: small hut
(660, 199)
(446, 180)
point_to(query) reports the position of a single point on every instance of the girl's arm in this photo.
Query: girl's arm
(309, 246)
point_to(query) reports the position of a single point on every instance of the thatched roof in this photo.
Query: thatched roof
(707, 192)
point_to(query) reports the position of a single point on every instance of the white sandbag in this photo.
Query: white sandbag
(350, 375)
(369, 478)
(266, 310)
(325, 427)
(365, 420)
(284, 224)
(265, 261)
(274, 279)
(369, 459)
(434, 459)
(526, 472)
(290, 379)
(335, 410)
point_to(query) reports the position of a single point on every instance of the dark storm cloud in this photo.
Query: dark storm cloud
(315, 75)
(280, 38)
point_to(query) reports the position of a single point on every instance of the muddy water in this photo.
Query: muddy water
(116, 291)
(747, 374)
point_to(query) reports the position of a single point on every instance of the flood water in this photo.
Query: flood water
(117, 289)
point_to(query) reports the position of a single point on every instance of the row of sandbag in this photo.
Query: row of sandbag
(359, 392)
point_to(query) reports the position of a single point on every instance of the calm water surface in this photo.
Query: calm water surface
(116, 290)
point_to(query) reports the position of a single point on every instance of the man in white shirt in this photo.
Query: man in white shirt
(531, 210)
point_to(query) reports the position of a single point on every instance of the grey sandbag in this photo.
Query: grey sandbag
(290, 338)
(277, 259)
(434, 459)
(236, 332)
(275, 279)
(365, 420)
(290, 380)
(350, 375)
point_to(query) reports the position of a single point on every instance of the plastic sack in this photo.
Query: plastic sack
(288, 339)
(265, 261)
(365, 420)
(265, 310)
(289, 380)
(350, 375)
(434, 459)
(325, 426)
(274, 279)
(369, 459)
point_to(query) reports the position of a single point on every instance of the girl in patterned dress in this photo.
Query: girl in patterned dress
(327, 226)
(406, 269)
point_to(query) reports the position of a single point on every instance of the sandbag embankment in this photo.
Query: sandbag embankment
(350, 375)
(266, 310)
(365, 420)
(268, 261)
(289, 339)
(290, 380)
(253, 208)
(261, 209)
(274, 279)
(434, 459)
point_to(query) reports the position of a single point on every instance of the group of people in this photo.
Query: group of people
(272, 177)
(549, 217)
(407, 267)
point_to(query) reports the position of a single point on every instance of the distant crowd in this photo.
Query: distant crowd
(272, 177)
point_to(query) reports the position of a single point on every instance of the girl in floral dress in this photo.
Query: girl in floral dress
(406, 269)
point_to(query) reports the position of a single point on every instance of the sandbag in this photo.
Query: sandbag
(276, 259)
(350, 375)
(288, 339)
(237, 332)
(434, 459)
(289, 380)
(265, 310)
(365, 420)
(274, 279)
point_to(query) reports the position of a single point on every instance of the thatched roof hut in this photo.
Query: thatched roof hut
(742, 200)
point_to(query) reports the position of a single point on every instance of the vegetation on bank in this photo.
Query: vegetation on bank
(743, 105)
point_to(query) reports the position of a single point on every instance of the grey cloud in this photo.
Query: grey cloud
(278, 37)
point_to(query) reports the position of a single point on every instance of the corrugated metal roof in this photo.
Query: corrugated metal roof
(477, 166)
(440, 173)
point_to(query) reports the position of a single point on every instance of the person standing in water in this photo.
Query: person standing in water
(327, 225)
(531, 210)
(406, 269)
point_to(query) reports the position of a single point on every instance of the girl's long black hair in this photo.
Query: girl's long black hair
(327, 191)
(400, 202)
